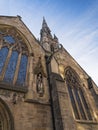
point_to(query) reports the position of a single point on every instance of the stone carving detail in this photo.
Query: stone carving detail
(39, 84)
(90, 85)
(13, 97)
(16, 97)
(39, 68)
(39, 72)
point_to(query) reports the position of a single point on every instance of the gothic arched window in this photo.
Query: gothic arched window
(79, 104)
(13, 57)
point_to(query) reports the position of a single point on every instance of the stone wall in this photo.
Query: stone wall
(27, 115)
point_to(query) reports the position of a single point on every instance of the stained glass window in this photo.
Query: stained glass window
(3, 55)
(85, 104)
(78, 101)
(9, 39)
(22, 70)
(12, 45)
(73, 103)
(11, 67)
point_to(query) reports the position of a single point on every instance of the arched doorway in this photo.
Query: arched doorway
(6, 119)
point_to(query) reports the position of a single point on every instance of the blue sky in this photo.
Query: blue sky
(75, 22)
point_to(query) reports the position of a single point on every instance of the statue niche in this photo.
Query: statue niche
(40, 74)
(39, 84)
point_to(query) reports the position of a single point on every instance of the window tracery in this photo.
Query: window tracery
(13, 56)
(78, 101)
(9, 39)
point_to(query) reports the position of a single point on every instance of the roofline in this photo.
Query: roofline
(10, 16)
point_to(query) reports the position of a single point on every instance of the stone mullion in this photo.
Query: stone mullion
(6, 64)
(76, 104)
(27, 71)
(17, 68)
(30, 94)
(30, 71)
(1, 42)
(83, 105)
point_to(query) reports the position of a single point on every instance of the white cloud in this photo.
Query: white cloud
(79, 35)
(82, 43)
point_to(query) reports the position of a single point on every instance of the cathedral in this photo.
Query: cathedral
(42, 87)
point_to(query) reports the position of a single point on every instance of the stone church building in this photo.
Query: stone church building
(41, 86)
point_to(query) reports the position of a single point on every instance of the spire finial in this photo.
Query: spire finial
(44, 24)
(43, 18)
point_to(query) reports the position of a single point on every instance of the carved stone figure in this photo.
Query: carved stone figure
(40, 87)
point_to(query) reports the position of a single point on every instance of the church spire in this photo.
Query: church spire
(48, 42)
(45, 26)
(45, 36)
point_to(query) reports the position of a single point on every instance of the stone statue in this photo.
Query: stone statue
(40, 88)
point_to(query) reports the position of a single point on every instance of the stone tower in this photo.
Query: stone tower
(41, 86)
(47, 41)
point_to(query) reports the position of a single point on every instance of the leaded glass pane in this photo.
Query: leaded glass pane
(73, 103)
(85, 104)
(76, 92)
(79, 103)
(22, 70)
(11, 67)
(3, 55)
(9, 39)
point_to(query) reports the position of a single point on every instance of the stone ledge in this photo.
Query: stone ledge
(16, 88)
(37, 102)
(86, 122)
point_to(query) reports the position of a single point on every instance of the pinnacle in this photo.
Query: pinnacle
(44, 24)
(55, 37)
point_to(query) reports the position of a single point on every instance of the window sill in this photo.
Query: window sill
(87, 121)
(11, 87)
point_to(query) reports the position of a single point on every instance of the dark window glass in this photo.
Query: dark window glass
(3, 55)
(11, 67)
(79, 103)
(86, 106)
(22, 70)
(9, 39)
(77, 96)
(73, 103)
